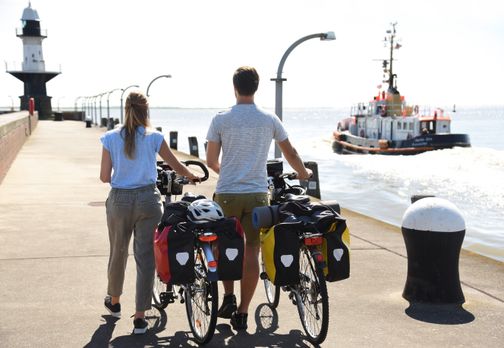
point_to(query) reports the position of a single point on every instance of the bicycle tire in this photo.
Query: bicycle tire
(201, 300)
(157, 288)
(272, 290)
(311, 298)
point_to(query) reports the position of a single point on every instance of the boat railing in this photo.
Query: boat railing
(385, 108)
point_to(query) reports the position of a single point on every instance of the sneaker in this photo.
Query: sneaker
(239, 321)
(228, 306)
(114, 310)
(140, 326)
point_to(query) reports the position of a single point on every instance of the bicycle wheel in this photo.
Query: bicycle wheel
(158, 288)
(311, 298)
(201, 299)
(272, 291)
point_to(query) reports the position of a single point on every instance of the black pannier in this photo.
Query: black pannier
(181, 254)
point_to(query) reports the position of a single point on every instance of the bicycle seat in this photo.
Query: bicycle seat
(289, 197)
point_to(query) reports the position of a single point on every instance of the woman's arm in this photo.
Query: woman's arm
(106, 166)
(168, 156)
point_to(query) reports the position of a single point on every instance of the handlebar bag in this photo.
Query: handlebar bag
(280, 253)
(336, 251)
(230, 248)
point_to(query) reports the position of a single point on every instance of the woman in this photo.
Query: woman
(134, 203)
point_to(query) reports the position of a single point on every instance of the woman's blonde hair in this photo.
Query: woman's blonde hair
(137, 114)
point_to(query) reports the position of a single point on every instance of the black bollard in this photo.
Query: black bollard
(173, 140)
(193, 146)
(312, 185)
(110, 123)
(433, 231)
(89, 123)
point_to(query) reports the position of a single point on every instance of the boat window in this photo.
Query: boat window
(398, 125)
(411, 126)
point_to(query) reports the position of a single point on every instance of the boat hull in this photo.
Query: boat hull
(346, 143)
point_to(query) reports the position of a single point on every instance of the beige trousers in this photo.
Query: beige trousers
(136, 211)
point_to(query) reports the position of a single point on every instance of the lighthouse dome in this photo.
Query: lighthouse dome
(29, 14)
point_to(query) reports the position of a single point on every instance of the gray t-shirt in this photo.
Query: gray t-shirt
(245, 133)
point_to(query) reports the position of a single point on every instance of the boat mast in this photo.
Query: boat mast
(391, 42)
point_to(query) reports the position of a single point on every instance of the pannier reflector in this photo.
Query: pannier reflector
(287, 260)
(231, 253)
(338, 253)
(182, 258)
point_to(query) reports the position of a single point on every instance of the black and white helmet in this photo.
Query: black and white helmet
(204, 210)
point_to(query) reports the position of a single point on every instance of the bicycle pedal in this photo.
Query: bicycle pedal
(263, 276)
(167, 297)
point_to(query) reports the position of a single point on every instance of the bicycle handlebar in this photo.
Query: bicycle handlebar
(199, 164)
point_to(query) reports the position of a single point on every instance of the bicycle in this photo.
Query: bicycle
(201, 295)
(310, 293)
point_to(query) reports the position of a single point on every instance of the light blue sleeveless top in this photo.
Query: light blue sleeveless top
(141, 170)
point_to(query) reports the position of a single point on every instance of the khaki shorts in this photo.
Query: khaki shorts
(241, 206)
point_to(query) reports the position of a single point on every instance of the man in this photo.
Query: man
(244, 134)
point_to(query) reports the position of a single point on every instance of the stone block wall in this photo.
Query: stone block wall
(15, 128)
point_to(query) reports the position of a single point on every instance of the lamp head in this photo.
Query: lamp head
(328, 36)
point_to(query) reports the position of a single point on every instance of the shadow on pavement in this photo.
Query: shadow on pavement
(266, 319)
(103, 334)
(452, 314)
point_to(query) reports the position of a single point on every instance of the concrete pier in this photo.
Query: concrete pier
(54, 254)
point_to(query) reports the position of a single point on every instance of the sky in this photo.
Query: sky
(452, 51)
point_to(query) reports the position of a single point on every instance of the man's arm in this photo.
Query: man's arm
(294, 160)
(212, 156)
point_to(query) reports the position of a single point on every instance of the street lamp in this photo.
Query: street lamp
(167, 76)
(94, 108)
(101, 96)
(59, 109)
(12, 103)
(279, 80)
(75, 102)
(124, 90)
(108, 105)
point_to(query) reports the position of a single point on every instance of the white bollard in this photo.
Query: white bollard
(433, 230)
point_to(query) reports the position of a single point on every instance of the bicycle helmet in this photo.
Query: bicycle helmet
(204, 210)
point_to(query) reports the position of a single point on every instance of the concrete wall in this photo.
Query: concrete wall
(15, 128)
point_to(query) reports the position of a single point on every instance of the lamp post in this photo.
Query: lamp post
(75, 102)
(59, 109)
(94, 108)
(122, 94)
(108, 104)
(12, 103)
(101, 96)
(167, 76)
(279, 80)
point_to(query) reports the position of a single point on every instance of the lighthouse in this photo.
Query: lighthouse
(33, 72)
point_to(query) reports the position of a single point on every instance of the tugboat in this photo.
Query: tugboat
(388, 126)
